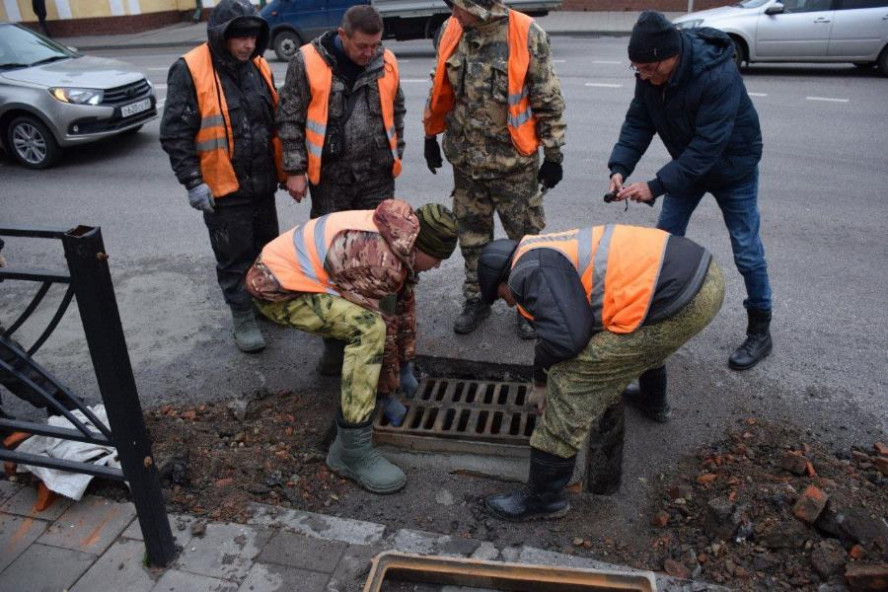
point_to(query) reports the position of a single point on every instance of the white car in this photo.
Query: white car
(853, 31)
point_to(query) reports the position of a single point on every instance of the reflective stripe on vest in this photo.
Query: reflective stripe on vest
(296, 258)
(520, 119)
(214, 142)
(320, 81)
(618, 266)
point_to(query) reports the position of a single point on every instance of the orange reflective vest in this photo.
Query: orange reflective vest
(296, 258)
(214, 142)
(618, 265)
(320, 80)
(521, 122)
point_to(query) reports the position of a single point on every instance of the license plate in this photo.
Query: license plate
(134, 108)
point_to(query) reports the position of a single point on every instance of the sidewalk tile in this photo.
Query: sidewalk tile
(45, 569)
(353, 532)
(23, 502)
(16, 533)
(298, 550)
(8, 489)
(179, 581)
(90, 525)
(120, 568)
(351, 572)
(226, 551)
(180, 524)
(278, 578)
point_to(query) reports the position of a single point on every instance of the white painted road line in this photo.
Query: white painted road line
(828, 99)
(558, 61)
(160, 86)
(605, 62)
(758, 94)
(415, 80)
(603, 85)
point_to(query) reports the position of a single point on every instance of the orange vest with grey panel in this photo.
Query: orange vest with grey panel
(214, 142)
(521, 122)
(320, 81)
(296, 258)
(618, 266)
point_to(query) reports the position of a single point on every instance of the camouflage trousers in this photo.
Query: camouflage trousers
(363, 332)
(516, 198)
(581, 389)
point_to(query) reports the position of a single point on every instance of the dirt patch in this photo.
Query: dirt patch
(765, 508)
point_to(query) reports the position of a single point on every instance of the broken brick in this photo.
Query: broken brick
(867, 577)
(660, 519)
(794, 463)
(810, 505)
(676, 569)
(857, 553)
(880, 448)
(706, 478)
(881, 464)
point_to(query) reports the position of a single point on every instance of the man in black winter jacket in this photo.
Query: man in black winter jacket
(690, 93)
(218, 129)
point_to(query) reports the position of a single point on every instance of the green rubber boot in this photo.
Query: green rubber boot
(352, 456)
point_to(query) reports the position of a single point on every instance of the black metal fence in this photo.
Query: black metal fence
(90, 284)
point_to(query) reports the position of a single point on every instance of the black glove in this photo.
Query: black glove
(550, 174)
(433, 154)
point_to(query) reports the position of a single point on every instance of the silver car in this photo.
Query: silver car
(853, 31)
(52, 97)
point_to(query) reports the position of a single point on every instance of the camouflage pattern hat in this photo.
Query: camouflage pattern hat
(437, 231)
(480, 8)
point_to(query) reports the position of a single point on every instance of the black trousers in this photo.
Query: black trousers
(237, 235)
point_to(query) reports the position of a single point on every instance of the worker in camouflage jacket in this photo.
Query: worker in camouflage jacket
(358, 288)
(496, 98)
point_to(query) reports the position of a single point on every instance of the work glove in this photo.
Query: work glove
(392, 408)
(408, 384)
(433, 154)
(550, 174)
(201, 198)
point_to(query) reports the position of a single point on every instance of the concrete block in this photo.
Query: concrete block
(353, 532)
(22, 503)
(266, 577)
(16, 534)
(179, 581)
(120, 568)
(303, 552)
(90, 525)
(415, 541)
(57, 569)
(226, 551)
(8, 489)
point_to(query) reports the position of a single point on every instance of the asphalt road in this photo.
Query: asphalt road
(823, 180)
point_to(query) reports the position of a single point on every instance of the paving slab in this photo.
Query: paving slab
(22, 503)
(303, 552)
(121, 567)
(180, 581)
(8, 489)
(353, 532)
(354, 565)
(180, 525)
(90, 525)
(267, 577)
(16, 534)
(46, 569)
(225, 551)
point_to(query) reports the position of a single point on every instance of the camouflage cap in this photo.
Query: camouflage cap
(480, 8)
(437, 230)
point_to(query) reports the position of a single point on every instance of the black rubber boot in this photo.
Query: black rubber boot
(526, 329)
(758, 342)
(331, 360)
(649, 395)
(544, 496)
(474, 311)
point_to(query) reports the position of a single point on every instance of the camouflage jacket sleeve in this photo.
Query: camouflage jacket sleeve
(400, 111)
(291, 114)
(406, 313)
(545, 95)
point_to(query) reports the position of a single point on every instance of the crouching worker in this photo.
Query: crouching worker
(350, 276)
(609, 303)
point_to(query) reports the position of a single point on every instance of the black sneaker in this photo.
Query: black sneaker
(526, 329)
(474, 311)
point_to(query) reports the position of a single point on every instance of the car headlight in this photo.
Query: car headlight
(78, 96)
(691, 24)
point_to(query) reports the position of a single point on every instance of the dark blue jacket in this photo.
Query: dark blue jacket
(702, 114)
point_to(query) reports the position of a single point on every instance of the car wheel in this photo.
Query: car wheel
(31, 143)
(286, 44)
(739, 52)
(883, 61)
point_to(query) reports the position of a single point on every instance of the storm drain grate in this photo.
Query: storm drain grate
(484, 411)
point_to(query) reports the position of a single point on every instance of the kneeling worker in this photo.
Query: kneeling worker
(609, 303)
(350, 276)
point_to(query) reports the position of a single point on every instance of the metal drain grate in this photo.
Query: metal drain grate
(483, 411)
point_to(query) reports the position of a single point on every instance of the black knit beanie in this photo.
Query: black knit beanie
(437, 230)
(653, 39)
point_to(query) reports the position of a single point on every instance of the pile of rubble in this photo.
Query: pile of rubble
(765, 510)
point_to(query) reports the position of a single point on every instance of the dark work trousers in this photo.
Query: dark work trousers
(330, 196)
(237, 235)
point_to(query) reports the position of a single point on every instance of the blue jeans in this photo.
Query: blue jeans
(739, 206)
